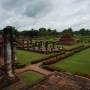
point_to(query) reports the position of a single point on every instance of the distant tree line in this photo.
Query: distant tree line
(82, 31)
(40, 32)
(49, 32)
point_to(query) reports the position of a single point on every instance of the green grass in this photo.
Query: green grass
(66, 46)
(69, 46)
(26, 57)
(75, 45)
(30, 76)
(79, 62)
(26, 78)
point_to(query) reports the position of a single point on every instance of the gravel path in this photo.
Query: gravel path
(33, 67)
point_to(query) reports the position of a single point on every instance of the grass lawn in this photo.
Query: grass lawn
(25, 57)
(70, 46)
(66, 46)
(30, 76)
(26, 78)
(75, 45)
(79, 62)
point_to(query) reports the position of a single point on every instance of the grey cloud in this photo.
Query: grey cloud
(59, 14)
(36, 8)
(30, 8)
(11, 4)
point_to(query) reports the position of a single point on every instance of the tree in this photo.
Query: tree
(42, 31)
(82, 31)
(69, 30)
(15, 31)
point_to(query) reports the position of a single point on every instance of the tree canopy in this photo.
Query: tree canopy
(42, 32)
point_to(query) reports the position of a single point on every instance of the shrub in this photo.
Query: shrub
(47, 67)
(19, 65)
(64, 55)
(51, 68)
(46, 58)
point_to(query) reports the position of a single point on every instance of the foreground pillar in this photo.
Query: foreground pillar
(8, 52)
(9, 76)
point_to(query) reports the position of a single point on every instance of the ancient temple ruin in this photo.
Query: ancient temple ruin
(7, 52)
(67, 39)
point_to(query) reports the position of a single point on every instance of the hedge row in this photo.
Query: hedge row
(65, 55)
(48, 57)
(19, 65)
(74, 48)
(81, 74)
(51, 68)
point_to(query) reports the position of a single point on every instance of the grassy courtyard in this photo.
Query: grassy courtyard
(26, 78)
(30, 76)
(26, 57)
(80, 63)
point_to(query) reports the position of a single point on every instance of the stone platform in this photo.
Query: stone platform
(61, 81)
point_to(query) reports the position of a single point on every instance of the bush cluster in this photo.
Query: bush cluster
(65, 55)
(19, 65)
(48, 57)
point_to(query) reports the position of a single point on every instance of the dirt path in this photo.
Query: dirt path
(33, 67)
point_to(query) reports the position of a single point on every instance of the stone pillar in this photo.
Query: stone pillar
(9, 52)
(46, 45)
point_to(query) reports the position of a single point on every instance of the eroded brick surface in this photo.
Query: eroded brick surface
(60, 81)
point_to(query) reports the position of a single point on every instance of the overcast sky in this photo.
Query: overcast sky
(59, 14)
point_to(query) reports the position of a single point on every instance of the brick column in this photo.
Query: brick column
(9, 55)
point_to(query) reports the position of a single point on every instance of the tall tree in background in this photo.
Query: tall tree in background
(69, 30)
